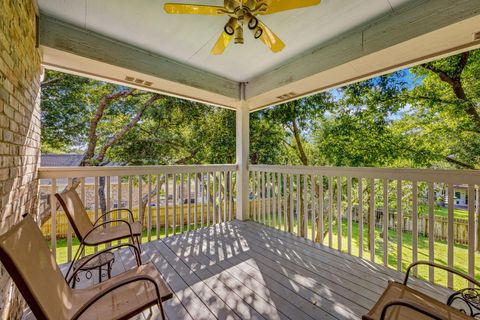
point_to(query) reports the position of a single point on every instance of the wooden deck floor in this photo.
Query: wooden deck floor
(242, 270)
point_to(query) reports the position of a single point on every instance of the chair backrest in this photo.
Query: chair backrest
(75, 211)
(26, 256)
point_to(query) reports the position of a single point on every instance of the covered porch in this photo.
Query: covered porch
(256, 241)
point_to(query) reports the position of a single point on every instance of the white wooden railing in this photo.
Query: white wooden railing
(167, 199)
(317, 203)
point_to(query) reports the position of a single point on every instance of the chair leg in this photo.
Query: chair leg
(138, 243)
(160, 306)
(77, 254)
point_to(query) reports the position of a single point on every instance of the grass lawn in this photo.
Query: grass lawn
(440, 249)
(457, 213)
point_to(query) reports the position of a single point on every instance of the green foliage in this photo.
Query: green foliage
(383, 122)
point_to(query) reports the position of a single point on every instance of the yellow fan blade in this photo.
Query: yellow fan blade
(177, 8)
(274, 6)
(221, 44)
(270, 39)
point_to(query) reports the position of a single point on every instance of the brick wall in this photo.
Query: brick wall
(20, 73)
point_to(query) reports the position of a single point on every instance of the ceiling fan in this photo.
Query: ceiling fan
(243, 12)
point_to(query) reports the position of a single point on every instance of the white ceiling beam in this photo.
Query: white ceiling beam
(71, 48)
(411, 21)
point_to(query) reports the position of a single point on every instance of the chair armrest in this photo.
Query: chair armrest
(113, 210)
(410, 305)
(120, 284)
(78, 269)
(109, 222)
(436, 265)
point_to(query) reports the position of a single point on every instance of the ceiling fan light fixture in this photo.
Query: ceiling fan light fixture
(229, 30)
(238, 35)
(252, 23)
(257, 32)
(230, 26)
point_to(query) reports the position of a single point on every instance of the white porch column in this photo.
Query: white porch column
(242, 141)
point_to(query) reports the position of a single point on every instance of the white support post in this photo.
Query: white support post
(242, 141)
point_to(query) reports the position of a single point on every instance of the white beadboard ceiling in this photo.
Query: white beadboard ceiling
(189, 38)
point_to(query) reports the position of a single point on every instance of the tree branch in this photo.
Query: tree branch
(457, 87)
(45, 84)
(92, 132)
(120, 134)
(459, 163)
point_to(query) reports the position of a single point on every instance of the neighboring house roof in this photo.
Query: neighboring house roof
(60, 160)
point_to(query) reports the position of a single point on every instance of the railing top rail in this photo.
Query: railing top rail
(78, 172)
(427, 175)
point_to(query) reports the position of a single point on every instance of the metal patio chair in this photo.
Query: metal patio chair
(26, 256)
(399, 301)
(99, 232)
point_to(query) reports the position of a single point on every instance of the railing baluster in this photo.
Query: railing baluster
(399, 225)
(214, 196)
(225, 197)
(339, 213)
(255, 195)
(259, 197)
(230, 194)
(108, 205)
(264, 204)
(219, 220)
(82, 195)
(415, 225)
(268, 199)
(290, 227)
(167, 201)
(274, 200)
(95, 192)
(299, 205)
(371, 221)
(119, 199)
(385, 222)
(471, 234)
(285, 209)
(313, 197)
(451, 204)
(208, 198)
(53, 224)
(195, 209)
(130, 196)
(157, 206)
(330, 211)
(189, 210)
(182, 202)
(202, 192)
(140, 201)
(360, 217)
(149, 211)
(174, 204)
(82, 190)
(305, 206)
(431, 230)
(69, 230)
(279, 201)
(320, 226)
(349, 214)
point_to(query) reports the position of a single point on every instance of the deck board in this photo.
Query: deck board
(244, 270)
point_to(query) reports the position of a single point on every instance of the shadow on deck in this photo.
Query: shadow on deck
(243, 270)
